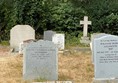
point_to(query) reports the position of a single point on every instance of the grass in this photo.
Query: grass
(75, 67)
(74, 42)
(4, 43)
(10, 69)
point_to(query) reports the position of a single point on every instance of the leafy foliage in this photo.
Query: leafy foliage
(42, 15)
(59, 15)
(66, 18)
(103, 14)
(110, 24)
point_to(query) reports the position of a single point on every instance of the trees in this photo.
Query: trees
(31, 12)
(42, 15)
(5, 7)
(65, 17)
(59, 15)
(103, 13)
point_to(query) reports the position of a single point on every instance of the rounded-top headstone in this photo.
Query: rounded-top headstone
(19, 33)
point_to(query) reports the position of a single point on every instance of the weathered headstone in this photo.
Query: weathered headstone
(19, 33)
(106, 81)
(85, 38)
(94, 36)
(59, 40)
(106, 58)
(40, 61)
(23, 45)
(48, 35)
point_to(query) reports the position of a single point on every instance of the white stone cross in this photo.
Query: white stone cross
(85, 24)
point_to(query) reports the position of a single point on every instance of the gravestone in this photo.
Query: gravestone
(59, 40)
(45, 82)
(55, 82)
(94, 36)
(63, 82)
(23, 45)
(106, 58)
(85, 23)
(19, 33)
(106, 81)
(40, 61)
(48, 35)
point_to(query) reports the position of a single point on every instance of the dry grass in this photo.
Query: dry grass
(74, 67)
(10, 69)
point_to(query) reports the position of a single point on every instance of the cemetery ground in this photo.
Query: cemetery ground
(74, 66)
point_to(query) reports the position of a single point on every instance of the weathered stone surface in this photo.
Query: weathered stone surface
(106, 57)
(59, 40)
(85, 23)
(40, 61)
(94, 36)
(19, 33)
(23, 45)
(48, 35)
(85, 40)
(105, 81)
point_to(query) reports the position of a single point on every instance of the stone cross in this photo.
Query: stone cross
(85, 24)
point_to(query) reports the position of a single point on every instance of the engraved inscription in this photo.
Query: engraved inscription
(110, 55)
(40, 53)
